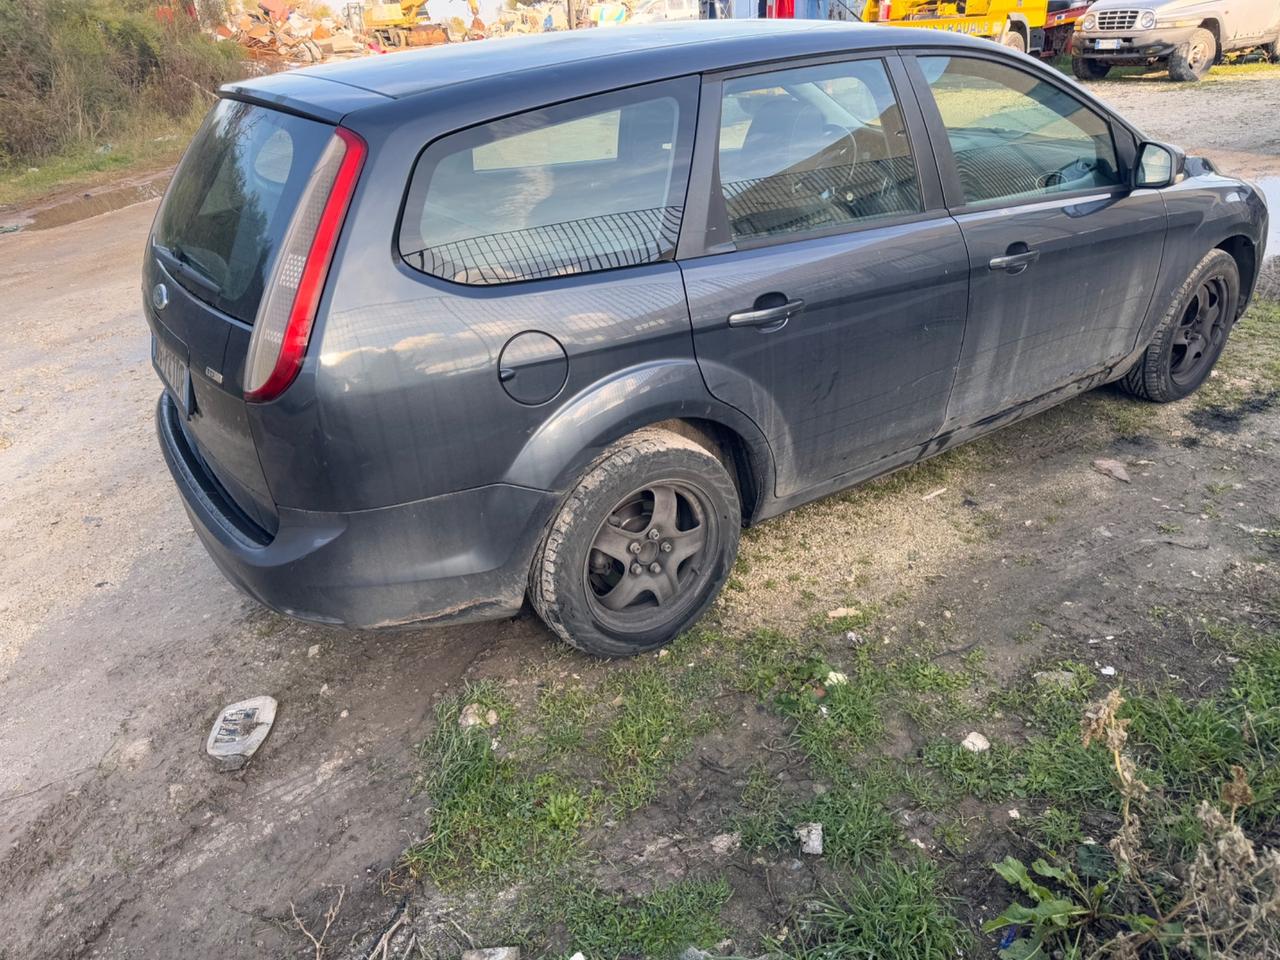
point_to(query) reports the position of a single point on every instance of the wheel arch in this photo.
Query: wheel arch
(1018, 23)
(1245, 254)
(1213, 26)
(669, 394)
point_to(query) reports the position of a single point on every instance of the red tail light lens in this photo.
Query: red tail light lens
(282, 328)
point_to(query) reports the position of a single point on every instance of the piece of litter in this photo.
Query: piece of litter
(492, 953)
(344, 714)
(840, 612)
(239, 731)
(976, 742)
(933, 494)
(810, 837)
(725, 843)
(920, 843)
(1108, 671)
(474, 715)
(1015, 814)
(835, 678)
(313, 651)
(1112, 468)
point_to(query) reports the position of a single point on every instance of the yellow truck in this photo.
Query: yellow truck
(1040, 27)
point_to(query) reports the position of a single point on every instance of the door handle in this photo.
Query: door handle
(771, 318)
(1015, 262)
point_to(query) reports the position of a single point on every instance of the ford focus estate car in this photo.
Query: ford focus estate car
(557, 317)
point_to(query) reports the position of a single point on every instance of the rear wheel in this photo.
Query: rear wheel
(1089, 69)
(1191, 335)
(640, 548)
(1191, 60)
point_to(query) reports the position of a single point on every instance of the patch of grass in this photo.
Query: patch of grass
(658, 925)
(836, 713)
(892, 910)
(489, 820)
(1250, 363)
(1057, 830)
(563, 713)
(763, 823)
(658, 714)
(856, 823)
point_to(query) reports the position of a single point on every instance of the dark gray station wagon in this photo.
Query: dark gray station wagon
(556, 317)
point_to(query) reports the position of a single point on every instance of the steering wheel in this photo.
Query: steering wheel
(842, 149)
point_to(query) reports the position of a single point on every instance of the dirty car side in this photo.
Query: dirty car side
(399, 478)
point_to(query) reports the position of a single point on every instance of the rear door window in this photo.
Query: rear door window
(1015, 136)
(226, 213)
(814, 147)
(588, 185)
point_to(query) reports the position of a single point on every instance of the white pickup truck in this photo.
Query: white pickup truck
(1188, 36)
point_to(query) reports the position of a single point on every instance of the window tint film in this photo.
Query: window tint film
(1014, 136)
(230, 203)
(814, 147)
(589, 185)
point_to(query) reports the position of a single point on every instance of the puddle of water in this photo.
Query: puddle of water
(87, 205)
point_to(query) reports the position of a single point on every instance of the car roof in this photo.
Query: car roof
(669, 49)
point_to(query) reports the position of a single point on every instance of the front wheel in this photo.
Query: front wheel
(1014, 40)
(1191, 334)
(640, 548)
(1191, 60)
(1089, 69)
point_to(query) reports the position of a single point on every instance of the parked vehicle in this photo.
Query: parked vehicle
(1186, 36)
(558, 316)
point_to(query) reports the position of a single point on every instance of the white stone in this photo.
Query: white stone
(976, 743)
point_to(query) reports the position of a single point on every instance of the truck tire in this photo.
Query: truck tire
(1191, 335)
(1272, 50)
(1089, 69)
(1014, 40)
(1191, 60)
(640, 548)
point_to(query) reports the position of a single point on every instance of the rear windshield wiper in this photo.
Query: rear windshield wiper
(180, 262)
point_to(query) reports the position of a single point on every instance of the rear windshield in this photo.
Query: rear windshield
(230, 202)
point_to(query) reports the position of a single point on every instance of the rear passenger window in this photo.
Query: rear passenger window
(589, 185)
(814, 147)
(1015, 136)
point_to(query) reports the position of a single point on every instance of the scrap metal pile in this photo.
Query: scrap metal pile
(277, 29)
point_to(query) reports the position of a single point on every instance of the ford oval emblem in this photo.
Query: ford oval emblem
(159, 296)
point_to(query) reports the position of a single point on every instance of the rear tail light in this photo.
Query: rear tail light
(283, 325)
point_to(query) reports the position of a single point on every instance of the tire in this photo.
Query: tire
(586, 594)
(1089, 69)
(1014, 40)
(1272, 50)
(1191, 335)
(1191, 60)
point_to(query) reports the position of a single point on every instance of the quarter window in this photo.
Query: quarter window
(814, 147)
(1014, 136)
(588, 185)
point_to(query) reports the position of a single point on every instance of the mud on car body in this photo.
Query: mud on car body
(556, 317)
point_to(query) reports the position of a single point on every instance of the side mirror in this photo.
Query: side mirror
(1159, 165)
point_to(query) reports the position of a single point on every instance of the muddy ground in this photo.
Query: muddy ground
(119, 640)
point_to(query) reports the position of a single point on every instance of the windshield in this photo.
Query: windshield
(230, 203)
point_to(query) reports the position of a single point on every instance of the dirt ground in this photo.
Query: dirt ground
(119, 640)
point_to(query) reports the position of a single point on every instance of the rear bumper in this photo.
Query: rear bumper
(457, 557)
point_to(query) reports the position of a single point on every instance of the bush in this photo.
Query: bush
(75, 72)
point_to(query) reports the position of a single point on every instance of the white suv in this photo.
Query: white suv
(1189, 36)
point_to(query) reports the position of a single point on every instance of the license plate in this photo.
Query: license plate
(173, 372)
(1106, 44)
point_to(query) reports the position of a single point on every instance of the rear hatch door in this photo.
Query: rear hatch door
(212, 250)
